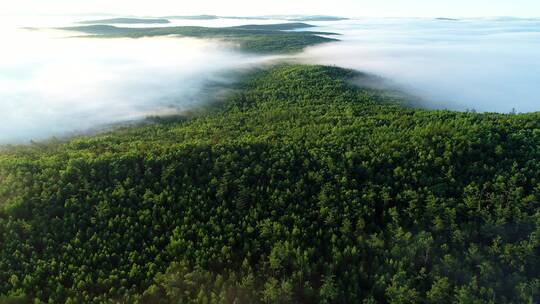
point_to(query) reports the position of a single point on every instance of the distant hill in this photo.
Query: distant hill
(266, 38)
(126, 21)
(270, 17)
(197, 17)
(447, 19)
(318, 18)
(302, 18)
(275, 27)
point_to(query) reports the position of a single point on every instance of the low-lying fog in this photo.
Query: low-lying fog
(489, 65)
(51, 85)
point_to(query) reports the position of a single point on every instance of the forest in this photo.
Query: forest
(265, 39)
(299, 187)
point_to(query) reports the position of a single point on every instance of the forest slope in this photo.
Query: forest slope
(299, 188)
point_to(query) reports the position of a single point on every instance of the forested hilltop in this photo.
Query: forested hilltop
(300, 188)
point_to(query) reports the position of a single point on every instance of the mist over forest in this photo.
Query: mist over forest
(482, 64)
(71, 85)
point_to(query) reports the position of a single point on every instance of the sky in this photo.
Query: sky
(347, 8)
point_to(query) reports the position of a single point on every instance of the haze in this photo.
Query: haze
(485, 64)
(350, 8)
(53, 85)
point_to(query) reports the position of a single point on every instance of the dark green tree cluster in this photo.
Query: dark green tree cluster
(300, 188)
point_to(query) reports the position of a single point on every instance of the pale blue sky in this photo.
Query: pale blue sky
(350, 8)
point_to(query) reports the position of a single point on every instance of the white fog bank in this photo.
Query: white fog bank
(51, 85)
(488, 65)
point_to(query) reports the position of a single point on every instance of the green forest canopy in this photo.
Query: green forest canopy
(299, 188)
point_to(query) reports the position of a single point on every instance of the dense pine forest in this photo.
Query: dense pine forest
(300, 187)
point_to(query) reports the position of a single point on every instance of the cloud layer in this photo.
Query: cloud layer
(481, 64)
(56, 86)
